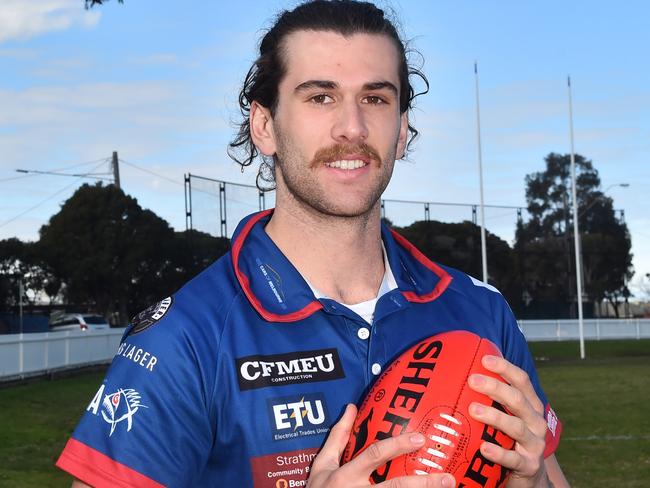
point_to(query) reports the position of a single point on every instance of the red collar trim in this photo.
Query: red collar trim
(304, 312)
(445, 278)
(310, 308)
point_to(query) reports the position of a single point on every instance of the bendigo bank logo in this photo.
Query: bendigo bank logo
(285, 369)
(298, 416)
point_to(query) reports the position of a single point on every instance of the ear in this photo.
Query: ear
(403, 136)
(261, 126)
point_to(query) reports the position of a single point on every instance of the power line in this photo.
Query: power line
(16, 178)
(178, 182)
(498, 216)
(46, 199)
(103, 160)
(34, 173)
(96, 176)
(150, 172)
(38, 204)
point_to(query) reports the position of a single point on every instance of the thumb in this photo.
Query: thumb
(332, 450)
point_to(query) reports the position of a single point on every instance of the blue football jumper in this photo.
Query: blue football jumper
(237, 378)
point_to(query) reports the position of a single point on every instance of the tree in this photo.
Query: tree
(92, 3)
(11, 261)
(111, 254)
(116, 258)
(21, 261)
(544, 244)
(194, 251)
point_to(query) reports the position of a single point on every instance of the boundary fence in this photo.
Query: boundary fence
(25, 355)
(216, 206)
(594, 329)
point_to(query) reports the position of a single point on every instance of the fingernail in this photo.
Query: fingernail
(477, 409)
(477, 380)
(489, 360)
(448, 482)
(417, 439)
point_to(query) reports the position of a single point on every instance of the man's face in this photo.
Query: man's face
(337, 128)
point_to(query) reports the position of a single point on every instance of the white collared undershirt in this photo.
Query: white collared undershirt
(366, 310)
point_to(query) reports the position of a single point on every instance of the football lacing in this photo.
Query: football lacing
(441, 443)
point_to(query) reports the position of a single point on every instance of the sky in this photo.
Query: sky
(157, 81)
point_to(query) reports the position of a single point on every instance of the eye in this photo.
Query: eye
(321, 99)
(373, 100)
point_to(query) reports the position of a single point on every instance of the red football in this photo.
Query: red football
(425, 390)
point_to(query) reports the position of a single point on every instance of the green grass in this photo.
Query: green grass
(603, 402)
(36, 420)
(594, 350)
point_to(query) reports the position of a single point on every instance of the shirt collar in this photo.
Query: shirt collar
(277, 291)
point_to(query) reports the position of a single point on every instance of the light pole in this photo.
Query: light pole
(576, 232)
(480, 173)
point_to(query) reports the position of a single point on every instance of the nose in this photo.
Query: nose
(350, 124)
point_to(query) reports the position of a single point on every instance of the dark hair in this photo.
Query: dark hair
(346, 17)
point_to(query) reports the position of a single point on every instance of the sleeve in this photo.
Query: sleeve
(516, 351)
(150, 423)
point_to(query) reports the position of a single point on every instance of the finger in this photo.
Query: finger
(510, 397)
(512, 460)
(379, 453)
(420, 481)
(330, 454)
(516, 377)
(512, 426)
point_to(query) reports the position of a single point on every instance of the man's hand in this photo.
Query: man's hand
(526, 425)
(327, 472)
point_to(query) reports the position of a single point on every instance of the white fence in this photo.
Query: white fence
(23, 355)
(594, 329)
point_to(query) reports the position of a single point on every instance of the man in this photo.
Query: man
(240, 377)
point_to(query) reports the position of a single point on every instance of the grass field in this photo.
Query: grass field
(603, 401)
(604, 404)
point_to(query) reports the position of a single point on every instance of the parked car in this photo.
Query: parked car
(79, 321)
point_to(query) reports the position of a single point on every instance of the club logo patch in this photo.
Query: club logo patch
(286, 369)
(298, 416)
(119, 406)
(150, 315)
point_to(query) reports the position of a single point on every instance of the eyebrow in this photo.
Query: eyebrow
(331, 85)
(380, 85)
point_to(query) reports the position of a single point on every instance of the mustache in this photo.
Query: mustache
(339, 151)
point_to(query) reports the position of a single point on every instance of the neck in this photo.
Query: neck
(340, 256)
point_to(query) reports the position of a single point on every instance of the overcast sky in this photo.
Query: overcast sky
(157, 81)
